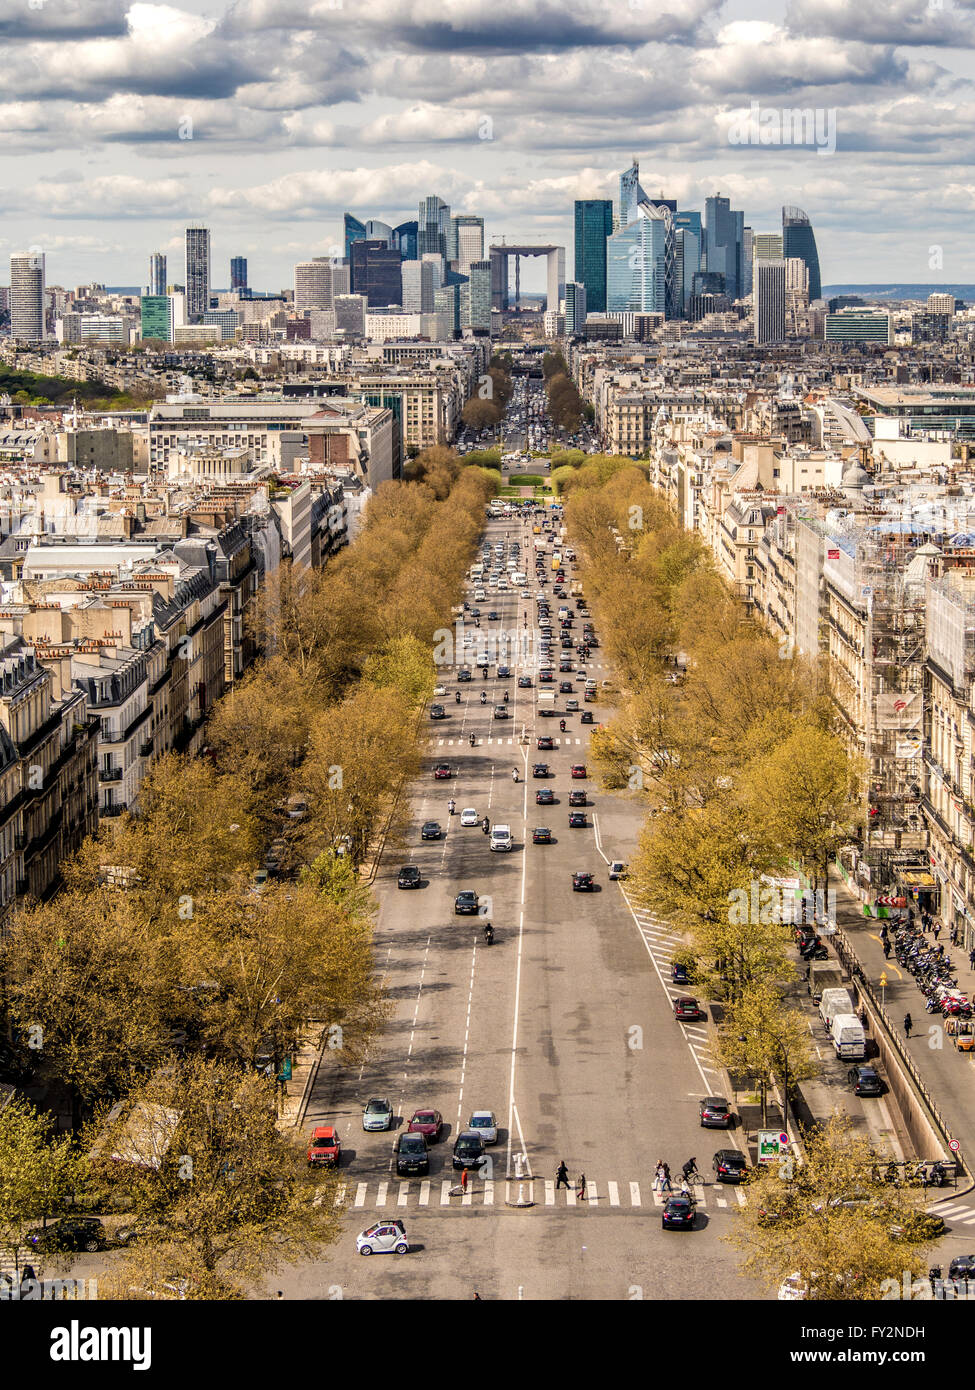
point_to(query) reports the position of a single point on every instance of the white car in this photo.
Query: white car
(439, 690)
(501, 838)
(486, 1124)
(385, 1238)
(617, 869)
(469, 816)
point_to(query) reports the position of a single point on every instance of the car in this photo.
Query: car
(546, 742)
(439, 690)
(437, 712)
(583, 882)
(578, 798)
(680, 973)
(687, 1009)
(544, 797)
(464, 674)
(377, 1114)
(581, 674)
(679, 1213)
(466, 903)
(524, 682)
(541, 835)
(504, 673)
(586, 716)
(730, 1165)
(546, 676)
(432, 830)
(493, 616)
(541, 770)
(408, 876)
(469, 816)
(429, 1123)
(500, 711)
(468, 1149)
(442, 771)
(617, 870)
(578, 770)
(501, 838)
(384, 1238)
(70, 1233)
(325, 1148)
(577, 820)
(716, 1113)
(485, 1124)
(867, 1082)
(565, 687)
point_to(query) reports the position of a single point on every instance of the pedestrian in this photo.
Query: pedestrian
(908, 1025)
(561, 1175)
(971, 958)
(667, 1185)
(886, 950)
(658, 1176)
(937, 930)
(478, 1296)
(953, 936)
(851, 1075)
(581, 1189)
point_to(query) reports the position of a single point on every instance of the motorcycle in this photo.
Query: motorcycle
(486, 826)
(506, 697)
(514, 774)
(473, 740)
(451, 804)
(562, 725)
(483, 697)
(457, 697)
(489, 934)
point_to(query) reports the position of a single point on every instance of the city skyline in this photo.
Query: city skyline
(505, 122)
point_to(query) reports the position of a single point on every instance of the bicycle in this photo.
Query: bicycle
(692, 1178)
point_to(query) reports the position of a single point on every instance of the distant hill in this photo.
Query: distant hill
(897, 290)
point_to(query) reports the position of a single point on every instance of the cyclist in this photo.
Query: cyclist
(690, 1169)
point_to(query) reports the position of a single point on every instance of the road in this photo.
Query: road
(563, 1027)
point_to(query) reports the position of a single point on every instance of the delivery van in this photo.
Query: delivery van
(848, 1038)
(834, 1001)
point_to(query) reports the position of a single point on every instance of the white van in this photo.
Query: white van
(848, 1038)
(503, 582)
(501, 837)
(834, 1001)
(479, 596)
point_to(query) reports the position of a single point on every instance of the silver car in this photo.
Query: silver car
(378, 1114)
(486, 1125)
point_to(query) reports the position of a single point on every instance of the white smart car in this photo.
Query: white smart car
(469, 816)
(385, 1238)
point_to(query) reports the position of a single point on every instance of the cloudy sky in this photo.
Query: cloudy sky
(266, 119)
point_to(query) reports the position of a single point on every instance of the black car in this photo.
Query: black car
(583, 883)
(680, 974)
(540, 769)
(524, 682)
(545, 797)
(70, 1233)
(504, 672)
(566, 687)
(409, 876)
(577, 820)
(493, 616)
(866, 1081)
(411, 1154)
(679, 1213)
(545, 677)
(437, 712)
(463, 674)
(432, 830)
(586, 717)
(565, 666)
(730, 1166)
(715, 1113)
(541, 835)
(466, 903)
(468, 1149)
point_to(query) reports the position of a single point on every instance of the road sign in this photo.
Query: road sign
(954, 1145)
(883, 981)
(771, 1144)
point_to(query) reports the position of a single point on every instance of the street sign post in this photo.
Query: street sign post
(772, 1144)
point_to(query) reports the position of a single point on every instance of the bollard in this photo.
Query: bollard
(524, 1181)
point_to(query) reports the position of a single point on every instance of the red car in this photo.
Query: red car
(442, 770)
(579, 770)
(687, 1009)
(429, 1123)
(325, 1147)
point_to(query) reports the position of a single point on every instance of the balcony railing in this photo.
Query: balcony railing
(109, 774)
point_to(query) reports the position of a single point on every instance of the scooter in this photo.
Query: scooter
(489, 934)
(457, 696)
(473, 740)
(451, 804)
(562, 725)
(486, 826)
(483, 697)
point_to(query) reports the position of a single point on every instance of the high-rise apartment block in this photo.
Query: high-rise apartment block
(157, 273)
(769, 301)
(27, 295)
(197, 287)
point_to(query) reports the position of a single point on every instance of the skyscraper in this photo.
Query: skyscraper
(405, 238)
(238, 274)
(419, 282)
(377, 273)
(747, 256)
(466, 241)
(769, 301)
(27, 295)
(314, 284)
(688, 240)
(631, 194)
(575, 306)
(637, 263)
(799, 240)
(379, 231)
(354, 231)
(157, 273)
(593, 224)
(197, 272)
(475, 297)
(434, 226)
(724, 236)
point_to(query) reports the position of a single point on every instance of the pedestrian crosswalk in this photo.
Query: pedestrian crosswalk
(438, 1194)
(954, 1213)
(561, 742)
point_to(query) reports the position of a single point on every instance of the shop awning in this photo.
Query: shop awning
(917, 878)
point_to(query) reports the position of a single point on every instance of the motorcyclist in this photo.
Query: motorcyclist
(562, 725)
(488, 933)
(483, 697)
(457, 696)
(484, 672)
(506, 697)
(473, 740)
(485, 825)
(514, 774)
(451, 804)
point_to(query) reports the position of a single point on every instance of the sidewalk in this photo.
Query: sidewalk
(304, 1069)
(949, 1076)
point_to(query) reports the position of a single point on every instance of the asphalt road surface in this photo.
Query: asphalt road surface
(563, 1027)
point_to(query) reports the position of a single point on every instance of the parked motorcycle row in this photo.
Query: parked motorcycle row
(933, 972)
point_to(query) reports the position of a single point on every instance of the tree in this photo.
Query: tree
(403, 664)
(761, 1035)
(229, 1201)
(480, 414)
(825, 1223)
(37, 1173)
